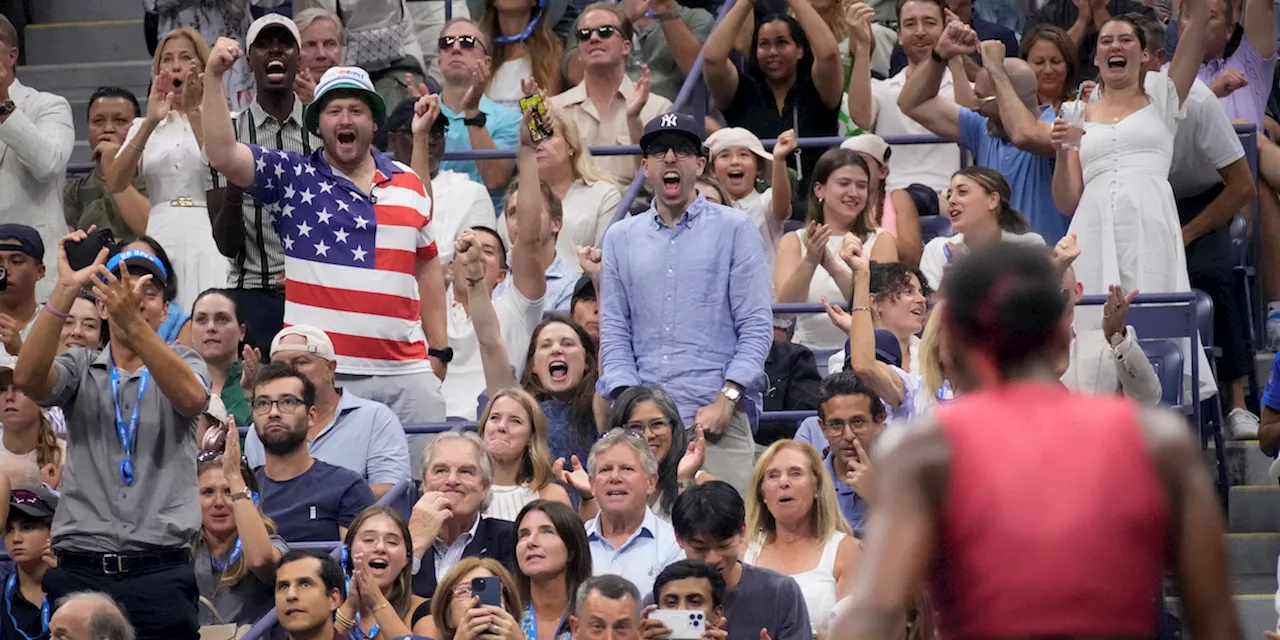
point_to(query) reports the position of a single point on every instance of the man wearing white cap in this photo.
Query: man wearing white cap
(242, 227)
(360, 257)
(738, 161)
(347, 431)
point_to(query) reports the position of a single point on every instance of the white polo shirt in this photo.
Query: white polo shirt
(1206, 142)
(517, 316)
(460, 203)
(927, 164)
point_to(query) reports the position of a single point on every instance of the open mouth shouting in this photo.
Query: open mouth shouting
(346, 142)
(558, 370)
(1117, 62)
(671, 183)
(275, 70)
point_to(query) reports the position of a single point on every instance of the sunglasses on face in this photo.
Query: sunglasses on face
(467, 42)
(683, 150)
(604, 32)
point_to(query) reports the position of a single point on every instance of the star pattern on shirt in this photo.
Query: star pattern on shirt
(322, 249)
(324, 216)
(358, 254)
(304, 229)
(341, 235)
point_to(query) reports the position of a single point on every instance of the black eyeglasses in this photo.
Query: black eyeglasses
(683, 150)
(605, 33)
(467, 42)
(287, 404)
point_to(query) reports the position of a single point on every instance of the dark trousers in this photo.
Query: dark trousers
(1209, 269)
(160, 603)
(262, 312)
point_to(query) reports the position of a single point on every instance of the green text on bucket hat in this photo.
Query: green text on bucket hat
(343, 78)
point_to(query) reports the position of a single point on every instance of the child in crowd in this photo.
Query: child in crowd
(740, 163)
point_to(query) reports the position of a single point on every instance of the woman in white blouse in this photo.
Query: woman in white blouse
(514, 432)
(808, 267)
(165, 146)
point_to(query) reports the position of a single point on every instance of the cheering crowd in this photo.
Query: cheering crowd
(275, 241)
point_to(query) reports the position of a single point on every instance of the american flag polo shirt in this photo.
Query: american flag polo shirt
(350, 258)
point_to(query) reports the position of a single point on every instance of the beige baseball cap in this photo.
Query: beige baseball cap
(870, 144)
(315, 341)
(734, 137)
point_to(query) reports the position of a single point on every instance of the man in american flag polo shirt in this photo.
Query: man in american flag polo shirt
(360, 260)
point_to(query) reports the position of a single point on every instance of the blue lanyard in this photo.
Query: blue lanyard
(357, 633)
(529, 623)
(220, 567)
(9, 588)
(127, 431)
(528, 30)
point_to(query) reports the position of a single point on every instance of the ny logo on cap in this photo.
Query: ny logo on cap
(669, 120)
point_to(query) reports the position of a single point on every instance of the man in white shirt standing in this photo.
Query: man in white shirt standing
(36, 137)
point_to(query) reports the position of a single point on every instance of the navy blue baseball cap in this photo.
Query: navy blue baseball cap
(27, 238)
(681, 124)
(888, 349)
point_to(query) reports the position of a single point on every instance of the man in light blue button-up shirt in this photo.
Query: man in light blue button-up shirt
(685, 302)
(627, 538)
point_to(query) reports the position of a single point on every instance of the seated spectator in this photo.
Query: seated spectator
(980, 208)
(165, 148)
(937, 384)
(175, 315)
(838, 212)
(627, 537)
(709, 188)
(561, 276)
(24, 610)
(84, 326)
(514, 432)
(668, 38)
(86, 201)
(1082, 21)
(216, 333)
(447, 524)
(986, 30)
(804, 538)
(738, 161)
(559, 367)
(793, 382)
(552, 561)
(793, 57)
(1052, 56)
(589, 197)
(344, 430)
(309, 500)
(236, 553)
(584, 307)
(319, 50)
(309, 589)
(524, 46)
(648, 413)
(607, 108)
(1085, 369)
(114, 510)
(850, 415)
(26, 432)
(22, 254)
(894, 211)
(88, 615)
(379, 550)
(873, 104)
(456, 612)
(379, 37)
(689, 585)
(606, 606)
(1008, 133)
(899, 302)
(710, 525)
(475, 121)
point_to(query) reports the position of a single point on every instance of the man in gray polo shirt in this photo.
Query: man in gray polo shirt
(347, 431)
(128, 511)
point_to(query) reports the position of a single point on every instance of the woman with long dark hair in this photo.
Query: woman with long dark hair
(514, 432)
(552, 561)
(380, 599)
(216, 332)
(792, 79)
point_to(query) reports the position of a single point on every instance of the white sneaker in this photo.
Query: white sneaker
(1242, 425)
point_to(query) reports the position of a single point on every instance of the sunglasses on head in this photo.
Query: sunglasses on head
(467, 42)
(605, 33)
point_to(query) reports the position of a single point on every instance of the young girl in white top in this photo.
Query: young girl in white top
(808, 268)
(738, 163)
(515, 436)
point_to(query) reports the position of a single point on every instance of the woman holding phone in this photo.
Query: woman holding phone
(462, 611)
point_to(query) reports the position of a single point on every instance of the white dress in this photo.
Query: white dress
(815, 330)
(1126, 223)
(506, 501)
(177, 177)
(215, 19)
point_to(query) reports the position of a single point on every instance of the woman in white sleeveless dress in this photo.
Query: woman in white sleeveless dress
(808, 268)
(1125, 217)
(514, 432)
(795, 527)
(165, 146)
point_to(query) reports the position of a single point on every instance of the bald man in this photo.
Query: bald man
(1003, 133)
(89, 615)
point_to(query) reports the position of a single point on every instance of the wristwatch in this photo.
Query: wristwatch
(242, 494)
(478, 121)
(7, 107)
(937, 57)
(445, 355)
(1116, 338)
(731, 392)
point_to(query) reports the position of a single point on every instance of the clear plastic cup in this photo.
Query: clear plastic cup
(1072, 113)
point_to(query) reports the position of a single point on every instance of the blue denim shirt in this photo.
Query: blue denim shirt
(686, 307)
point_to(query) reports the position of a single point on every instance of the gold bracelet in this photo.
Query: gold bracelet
(380, 607)
(856, 309)
(342, 620)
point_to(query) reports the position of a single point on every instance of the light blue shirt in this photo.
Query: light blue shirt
(365, 437)
(503, 125)
(686, 307)
(1030, 175)
(561, 278)
(642, 557)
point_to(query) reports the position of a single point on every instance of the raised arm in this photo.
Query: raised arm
(495, 361)
(828, 70)
(1026, 131)
(526, 265)
(919, 99)
(719, 72)
(497, 172)
(1260, 26)
(230, 158)
(862, 334)
(260, 556)
(1191, 46)
(862, 101)
(431, 290)
(780, 184)
(134, 207)
(119, 170)
(1068, 183)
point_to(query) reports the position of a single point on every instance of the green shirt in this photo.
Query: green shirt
(86, 201)
(233, 397)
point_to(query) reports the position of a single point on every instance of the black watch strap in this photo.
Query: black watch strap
(444, 355)
(933, 53)
(479, 121)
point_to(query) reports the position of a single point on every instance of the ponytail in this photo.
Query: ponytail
(1010, 219)
(48, 448)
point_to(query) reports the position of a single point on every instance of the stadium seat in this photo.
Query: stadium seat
(933, 226)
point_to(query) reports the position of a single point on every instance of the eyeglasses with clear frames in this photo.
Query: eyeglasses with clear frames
(637, 429)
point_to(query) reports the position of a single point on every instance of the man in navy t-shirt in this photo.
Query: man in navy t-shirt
(309, 500)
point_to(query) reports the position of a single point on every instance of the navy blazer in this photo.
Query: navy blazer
(494, 539)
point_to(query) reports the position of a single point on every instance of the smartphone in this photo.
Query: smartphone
(537, 110)
(488, 589)
(82, 254)
(685, 624)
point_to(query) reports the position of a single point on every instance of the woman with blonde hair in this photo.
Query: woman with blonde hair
(164, 147)
(28, 435)
(524, 45)
(794, 527)
(514, 432)
(937, 388)
(457, 614)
